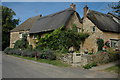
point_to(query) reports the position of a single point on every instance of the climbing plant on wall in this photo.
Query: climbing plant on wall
(61, 39)
(100, 43)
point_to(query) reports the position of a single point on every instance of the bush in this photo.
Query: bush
(90, 53)
(7, 50)
(88, 66)
(48, 54)
(22, 44)
(28, 53)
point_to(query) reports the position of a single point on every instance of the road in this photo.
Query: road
(14, 67)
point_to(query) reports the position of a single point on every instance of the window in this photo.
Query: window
(20, 35)
(114, 43)
(93, 29)
(78, 29)
(34, 36)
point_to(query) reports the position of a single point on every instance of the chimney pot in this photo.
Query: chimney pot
(73, 6)
(40, 15)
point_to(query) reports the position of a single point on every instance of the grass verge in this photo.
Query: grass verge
(53, 62)
(115, 69)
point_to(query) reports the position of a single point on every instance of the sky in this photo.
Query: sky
(25, 10)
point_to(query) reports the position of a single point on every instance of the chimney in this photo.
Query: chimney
(40, 15)
(73, 6)
(85, 11)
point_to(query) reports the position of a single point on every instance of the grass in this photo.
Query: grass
(53, 62)
(115, 69)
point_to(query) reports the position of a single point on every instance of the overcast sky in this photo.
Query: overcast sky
(25, 10)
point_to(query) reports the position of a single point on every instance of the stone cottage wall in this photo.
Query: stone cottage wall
(74, 20)
(90, 42)
(14, 36)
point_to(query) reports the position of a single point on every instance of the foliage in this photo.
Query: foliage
(102, 57)
(49, 54)
(61, 40)
(107, 43)
(90, 53)
(115, 7)
(23, 43)
(74, 28)
(88, 66)
(6, 50)
(100, 43)
(28, 53)
(8, 23)
(115, 69)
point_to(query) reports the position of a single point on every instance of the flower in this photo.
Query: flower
(105, 47)
(97, 37)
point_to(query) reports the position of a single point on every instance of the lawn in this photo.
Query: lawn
(53, 62)
(115, 69)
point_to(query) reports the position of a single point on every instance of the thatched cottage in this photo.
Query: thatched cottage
(44, 24)
(105, 26)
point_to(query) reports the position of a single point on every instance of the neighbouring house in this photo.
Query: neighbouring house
(40, 25)
(105, 26)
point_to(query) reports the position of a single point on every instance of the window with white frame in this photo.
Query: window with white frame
(20, 35)
(78, 29)
(114, 43)
(93, 29)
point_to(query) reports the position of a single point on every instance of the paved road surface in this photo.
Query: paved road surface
(14, 67)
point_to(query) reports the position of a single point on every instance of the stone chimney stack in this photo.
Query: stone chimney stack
(73, 6)
(40, 15)
(85, 11)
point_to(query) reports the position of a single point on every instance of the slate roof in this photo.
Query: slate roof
(105, 22)
(47, 23)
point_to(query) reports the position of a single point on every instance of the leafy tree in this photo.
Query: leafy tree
(115, 7)
(8, 23)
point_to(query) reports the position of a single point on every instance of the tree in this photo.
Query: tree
(8, 23)
(115, 7)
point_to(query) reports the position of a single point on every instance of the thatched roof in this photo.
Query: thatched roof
(47, 23)
(105, 22)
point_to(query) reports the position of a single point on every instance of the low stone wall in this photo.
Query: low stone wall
(66, 58)
(77, 59)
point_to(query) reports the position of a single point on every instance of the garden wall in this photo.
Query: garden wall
(77, 59)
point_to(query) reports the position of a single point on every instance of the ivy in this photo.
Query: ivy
(61, 40)
(100, 43)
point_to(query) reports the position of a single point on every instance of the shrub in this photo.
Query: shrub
(7, 50)
(16, 51)
(90, 53)
(22, 44)
(48, 54)
(88, 66)
(28, 53)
